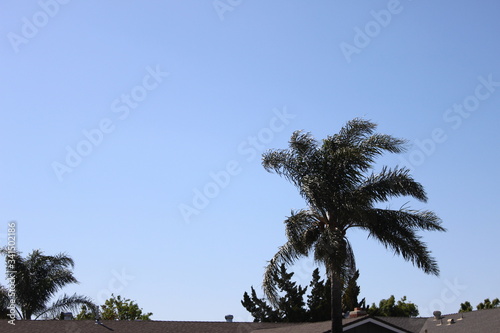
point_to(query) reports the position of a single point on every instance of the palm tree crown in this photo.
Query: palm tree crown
(38, 278)
(335, 182)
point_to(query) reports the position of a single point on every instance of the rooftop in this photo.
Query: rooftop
(476, 321)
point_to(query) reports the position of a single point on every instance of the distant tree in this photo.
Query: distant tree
(258, 308)
(351, 293)
(319, 299)
(38, 278)
(389, 308)
(465, 307)
(116, 308)
(290, 306)
(86, 314)
(487, 304)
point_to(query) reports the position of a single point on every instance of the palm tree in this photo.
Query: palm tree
(37, 278)
(333, 179)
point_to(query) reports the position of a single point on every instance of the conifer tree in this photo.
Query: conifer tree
(351, 293)
(258, 308)
(319, 299)
(290, 305)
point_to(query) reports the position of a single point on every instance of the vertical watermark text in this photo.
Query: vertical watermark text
(11, 271)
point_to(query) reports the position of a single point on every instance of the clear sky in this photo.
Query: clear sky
(131, 134)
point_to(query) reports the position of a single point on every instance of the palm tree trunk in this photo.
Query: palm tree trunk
(336, 301)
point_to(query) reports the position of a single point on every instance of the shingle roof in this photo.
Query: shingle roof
(89, 326)
(476, 321)
(319, 327)
(413, 325)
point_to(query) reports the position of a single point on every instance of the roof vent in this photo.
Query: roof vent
(451, 321)
(229, 318)
(67, 316)
(437, 315)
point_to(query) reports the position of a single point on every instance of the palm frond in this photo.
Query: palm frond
(301, 230)
(380, 143)
(390, 183)
(349, 268)
(354, 131)
(302, 144)
(68, 303)
(296, 163)
(397, 230)
(286, 254)
(387, 220)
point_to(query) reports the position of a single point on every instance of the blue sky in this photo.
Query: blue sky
(131, 135)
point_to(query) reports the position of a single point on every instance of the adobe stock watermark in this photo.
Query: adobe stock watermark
(11, 272)
(122, 106)
(223, 6)
(449, 294)
(454, 116)
(31, 26)
(363, 36)
(116, 284)
(219, 180)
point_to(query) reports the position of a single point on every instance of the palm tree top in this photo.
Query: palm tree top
(38, 277)
(335, 179)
